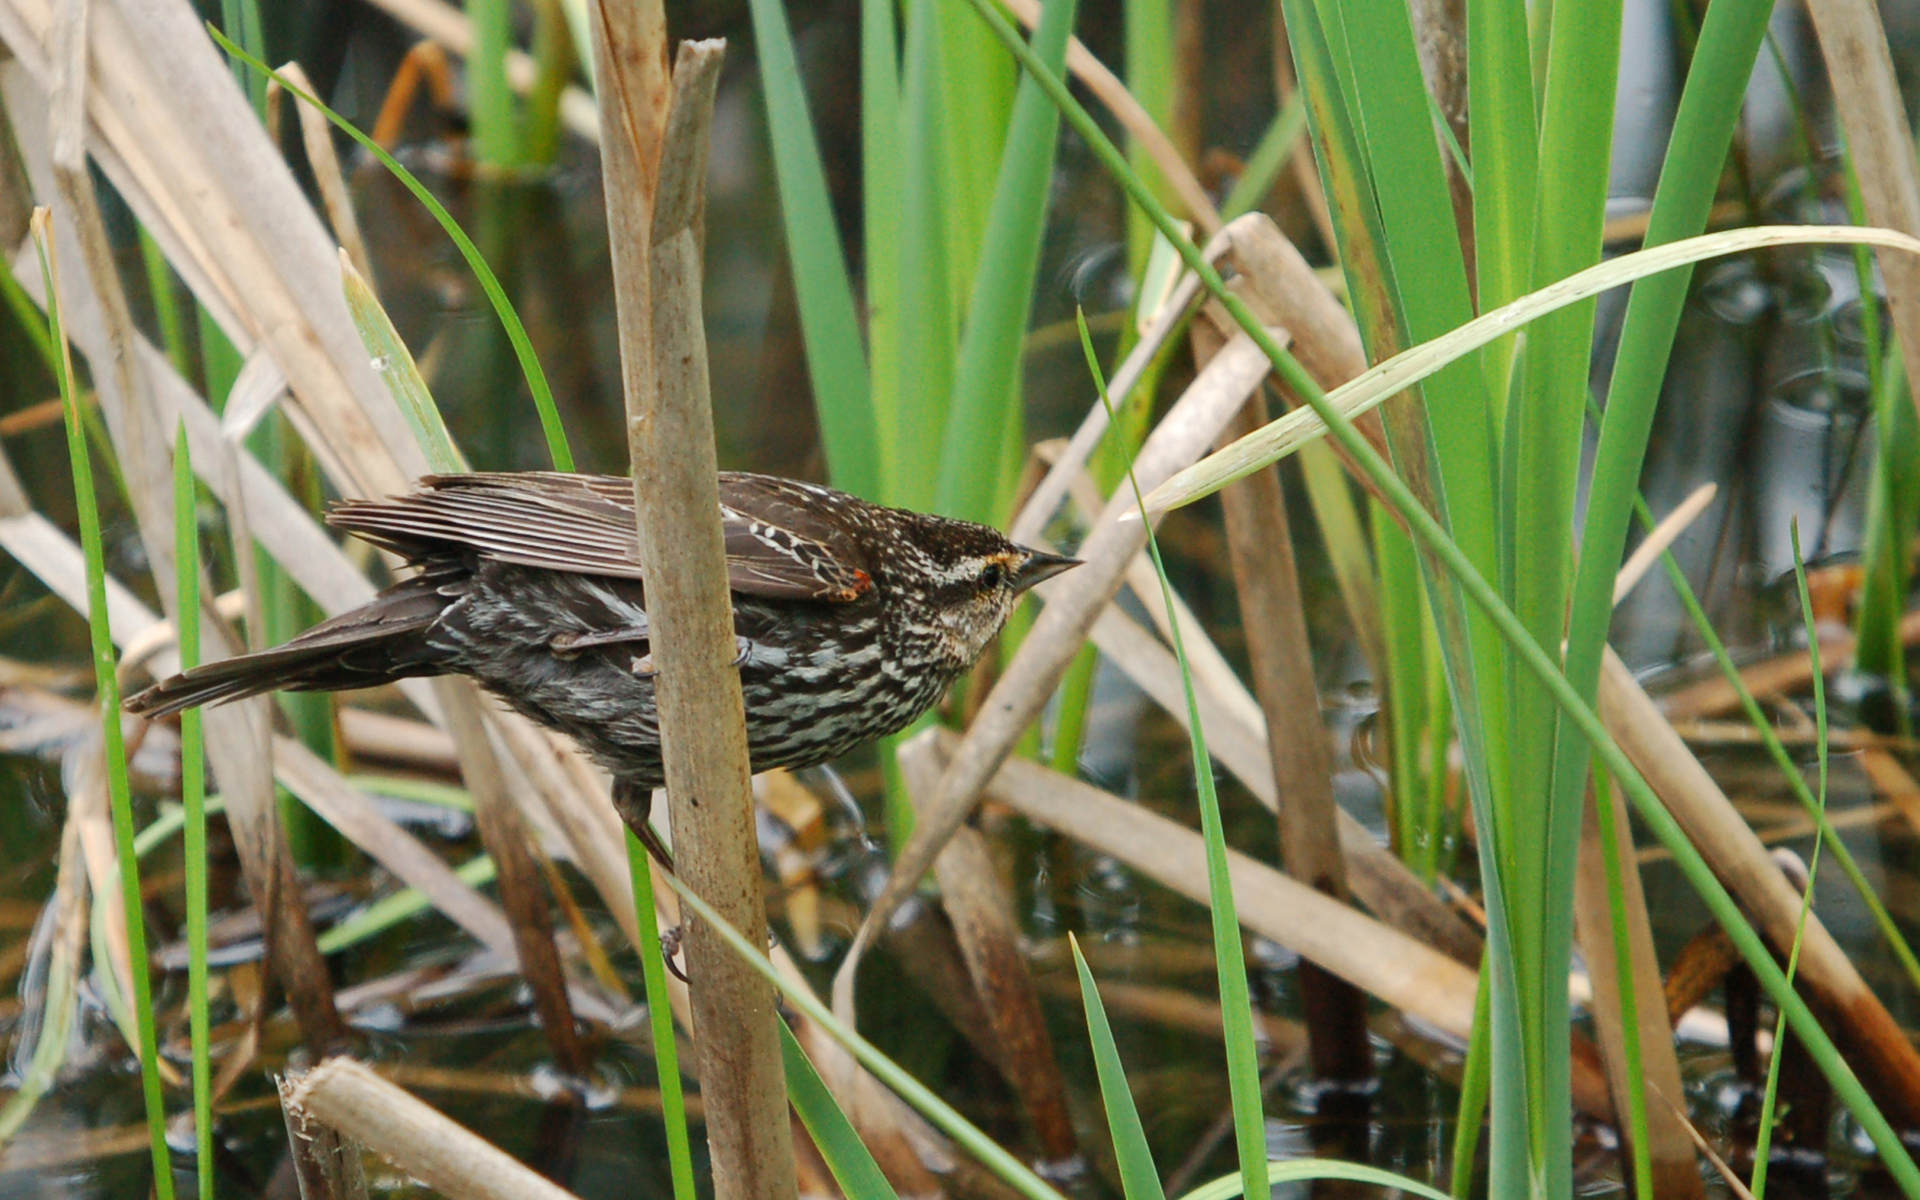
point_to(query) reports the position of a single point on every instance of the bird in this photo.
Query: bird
(851, 619)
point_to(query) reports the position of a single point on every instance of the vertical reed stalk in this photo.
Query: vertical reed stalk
(655, 173)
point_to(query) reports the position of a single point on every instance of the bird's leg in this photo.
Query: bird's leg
(634, 803)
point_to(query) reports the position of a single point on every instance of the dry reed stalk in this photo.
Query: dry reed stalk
(1073, 604)
(655, 183)
(1660, 537)
(1867, 96)
(1260, 551)
(326, 1162)
(522, 894)
(1785, 673)
(1067, 464)
(236, 736)
(351, 1099)
(1373, 956)
(1668, 1145)
(989, 939)
(400, 740)
(171, 130)
(316, 135)
(1859, 1023)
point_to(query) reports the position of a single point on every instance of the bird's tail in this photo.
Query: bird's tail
(380, 642)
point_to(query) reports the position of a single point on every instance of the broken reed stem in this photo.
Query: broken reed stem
(1260, 549)
(521, 893)
(347, 1097)
(326, 1162)
(656, 260)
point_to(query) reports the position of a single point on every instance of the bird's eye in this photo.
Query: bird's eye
(990, 577)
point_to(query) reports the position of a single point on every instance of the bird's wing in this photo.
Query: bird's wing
(780, 544)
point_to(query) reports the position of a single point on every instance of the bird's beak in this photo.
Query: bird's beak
(1040, 567)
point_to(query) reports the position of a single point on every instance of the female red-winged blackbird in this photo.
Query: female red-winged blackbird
(852, 619)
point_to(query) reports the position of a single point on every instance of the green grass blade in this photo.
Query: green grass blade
(556, 434)
(925, 322)
(1139, 1178)
(1764, 1141)
(396, 367)
(193, 803)
(882, 204)
(1236, 1004)
(107, 684)
(1475, 1084)
(666, 1052)
(986, 384)
(847, 1156)
(1435, 540)
(836, 363)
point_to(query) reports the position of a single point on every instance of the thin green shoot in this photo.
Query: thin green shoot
(409, 902)
(1626, 984)
(422, 791)
(1530, 654)
(839, 1143)
(119, 792)
(1236, 1005)
(556, 434)
(172, 819)
(666, 1052)
(1476, 1079)
(193, 804)
(1782, 758)
(1763, 1142)
(1139, 1178)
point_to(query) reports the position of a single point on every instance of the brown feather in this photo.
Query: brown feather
(781, 539)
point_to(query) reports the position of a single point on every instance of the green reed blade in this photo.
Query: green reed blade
(396, 367)
(1236, 1003)
(839, 1143)
(107, 685)
(193, 803)
(556, 434)
(1139, 1178)
(925, 322)
(1536, 660)
(986, 384)
(836, 363)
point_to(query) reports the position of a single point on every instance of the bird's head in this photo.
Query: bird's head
(968, 578)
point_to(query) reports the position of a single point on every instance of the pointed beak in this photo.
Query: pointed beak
(1039, 567)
